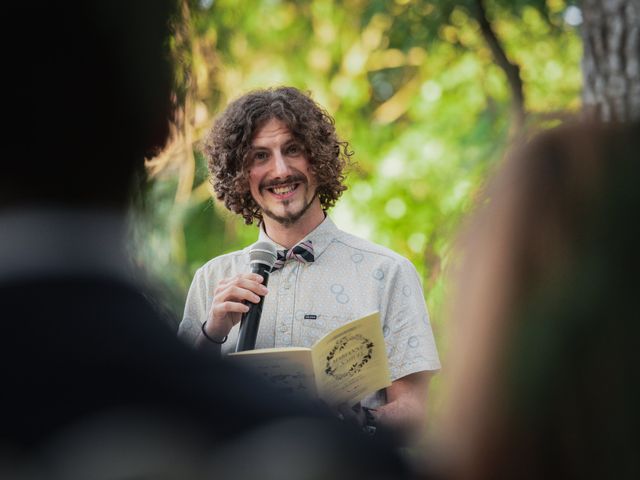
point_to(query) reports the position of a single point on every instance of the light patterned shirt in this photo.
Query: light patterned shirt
(349, 278)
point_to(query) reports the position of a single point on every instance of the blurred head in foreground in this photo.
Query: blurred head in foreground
(84, 109)
(544, 381)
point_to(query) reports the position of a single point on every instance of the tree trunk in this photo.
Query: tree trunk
(611, 60)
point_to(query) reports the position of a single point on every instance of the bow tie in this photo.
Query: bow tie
(303, 252)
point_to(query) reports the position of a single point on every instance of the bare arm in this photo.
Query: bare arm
(406, 404)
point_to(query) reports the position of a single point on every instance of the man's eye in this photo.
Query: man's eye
(260, 156)
(293, 150)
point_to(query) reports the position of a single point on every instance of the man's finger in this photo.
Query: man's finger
(239, 294)
(230, 307)
(252, 285)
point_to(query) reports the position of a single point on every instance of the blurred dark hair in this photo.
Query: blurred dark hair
(572, 386)
(90, 95)
(547, 314)
(229, 141)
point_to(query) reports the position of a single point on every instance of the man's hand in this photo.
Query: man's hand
(228, 297)
(352, 414)
(406, 404)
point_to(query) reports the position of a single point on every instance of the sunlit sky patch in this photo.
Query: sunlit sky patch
(573, 16)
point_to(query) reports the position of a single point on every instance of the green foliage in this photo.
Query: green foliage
(413, 88)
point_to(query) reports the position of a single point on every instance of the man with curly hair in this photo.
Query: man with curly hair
(276, 160)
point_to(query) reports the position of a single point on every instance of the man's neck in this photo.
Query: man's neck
(290, 235)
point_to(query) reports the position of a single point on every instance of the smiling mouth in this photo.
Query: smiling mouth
(283, 190)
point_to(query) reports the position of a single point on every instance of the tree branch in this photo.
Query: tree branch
(511, 70)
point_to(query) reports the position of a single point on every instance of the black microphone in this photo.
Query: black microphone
(262, 256)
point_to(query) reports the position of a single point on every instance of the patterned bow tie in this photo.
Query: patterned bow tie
(303, 252)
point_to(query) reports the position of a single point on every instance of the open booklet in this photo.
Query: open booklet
(344, 366)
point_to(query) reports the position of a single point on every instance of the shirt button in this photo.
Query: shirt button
(283, 328)
(286, 286)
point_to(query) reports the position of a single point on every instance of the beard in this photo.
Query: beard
(290, 218)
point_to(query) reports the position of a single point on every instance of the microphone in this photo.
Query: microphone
(262, 256)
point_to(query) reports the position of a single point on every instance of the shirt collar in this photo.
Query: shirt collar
(321, 237)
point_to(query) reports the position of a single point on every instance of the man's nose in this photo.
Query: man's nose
(280, 165)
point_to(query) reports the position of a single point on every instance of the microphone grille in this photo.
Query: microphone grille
(263, 252)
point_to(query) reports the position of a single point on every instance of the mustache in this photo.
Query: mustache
(296, 178)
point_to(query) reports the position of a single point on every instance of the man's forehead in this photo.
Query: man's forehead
(270, 130)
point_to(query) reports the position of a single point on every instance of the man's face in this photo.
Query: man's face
(279, 176)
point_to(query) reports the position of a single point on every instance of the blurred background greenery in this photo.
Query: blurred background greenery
(428, 93)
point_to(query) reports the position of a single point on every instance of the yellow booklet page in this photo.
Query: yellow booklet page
(344, 366)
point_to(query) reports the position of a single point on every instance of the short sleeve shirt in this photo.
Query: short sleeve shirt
(349, 278)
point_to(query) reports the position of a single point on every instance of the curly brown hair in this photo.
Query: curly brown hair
(227, 146)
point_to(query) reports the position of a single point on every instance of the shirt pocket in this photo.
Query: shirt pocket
(314, 326)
